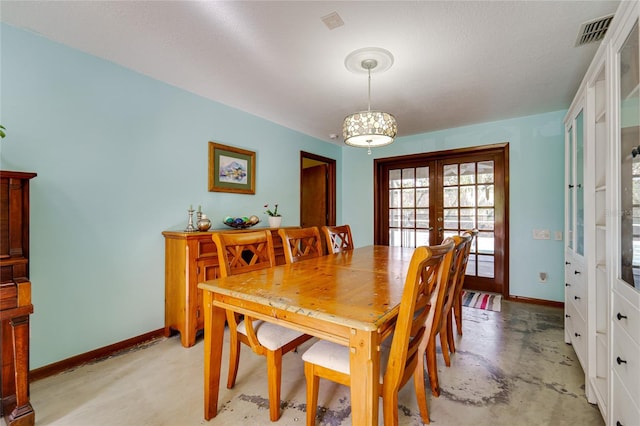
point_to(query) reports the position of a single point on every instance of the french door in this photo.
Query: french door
(422, 199)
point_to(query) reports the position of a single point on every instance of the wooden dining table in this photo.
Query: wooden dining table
(351, 298)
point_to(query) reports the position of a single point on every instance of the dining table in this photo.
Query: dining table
(351, 298)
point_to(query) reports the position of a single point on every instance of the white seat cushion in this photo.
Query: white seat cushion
(271, 336)
(336, 357)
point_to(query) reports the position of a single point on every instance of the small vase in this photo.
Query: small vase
(275, 221)
(203, 223)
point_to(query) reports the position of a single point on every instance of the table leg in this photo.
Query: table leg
(365, 377)
(214, 320)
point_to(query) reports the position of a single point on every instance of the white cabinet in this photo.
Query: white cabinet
(580, 217)
(602, 223)
(575, 262)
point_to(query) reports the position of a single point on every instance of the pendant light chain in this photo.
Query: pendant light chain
(369, 104)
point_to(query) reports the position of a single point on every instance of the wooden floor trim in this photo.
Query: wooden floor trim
(100, 353)
(521, 299)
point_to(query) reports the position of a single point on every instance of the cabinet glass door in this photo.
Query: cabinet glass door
(579, 183)
(575, 208)
(629, 125)
(571, 200)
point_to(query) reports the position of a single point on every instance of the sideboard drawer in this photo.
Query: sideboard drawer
(206, 247)
(576, 293)
(577, 333)
(626, 360)
(626, 316)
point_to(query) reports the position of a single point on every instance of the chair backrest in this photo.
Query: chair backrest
(240, 252)
(461, 270)
(458, 267)
(428, 273)
(338, 238)
(300, 243)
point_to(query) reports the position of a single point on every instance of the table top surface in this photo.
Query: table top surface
(361, 288)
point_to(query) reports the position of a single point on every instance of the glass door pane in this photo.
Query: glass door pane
(630, 159)
(468, 202)
(409, 207)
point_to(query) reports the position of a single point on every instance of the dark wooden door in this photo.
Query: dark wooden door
(422, 199)
(314, 196)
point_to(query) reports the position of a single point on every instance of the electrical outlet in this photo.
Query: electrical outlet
(558, 235)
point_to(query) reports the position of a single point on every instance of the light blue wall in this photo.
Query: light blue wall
(120, 157)
(536, 197)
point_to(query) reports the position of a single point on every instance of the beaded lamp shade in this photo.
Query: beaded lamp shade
(369, 129)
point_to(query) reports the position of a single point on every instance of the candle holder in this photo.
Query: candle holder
(190, 227)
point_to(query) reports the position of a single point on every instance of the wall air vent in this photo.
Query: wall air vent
(593, 30)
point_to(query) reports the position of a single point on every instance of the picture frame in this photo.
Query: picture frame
(231, 169)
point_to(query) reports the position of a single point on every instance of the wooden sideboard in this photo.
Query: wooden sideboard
(191, 258)
(15, 298)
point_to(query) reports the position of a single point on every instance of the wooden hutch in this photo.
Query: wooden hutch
(15, 298)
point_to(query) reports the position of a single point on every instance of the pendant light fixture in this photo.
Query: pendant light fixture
(369, 129)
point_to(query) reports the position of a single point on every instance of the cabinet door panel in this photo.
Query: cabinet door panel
(624, 411)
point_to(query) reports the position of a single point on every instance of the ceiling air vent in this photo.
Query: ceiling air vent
(593, 30)
(332, 20)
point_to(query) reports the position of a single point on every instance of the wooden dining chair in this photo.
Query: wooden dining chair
(300, 243)
(439, 316)
(456, 310)
(458, 267)
(403, 356)
(338, 238)
(241, 252)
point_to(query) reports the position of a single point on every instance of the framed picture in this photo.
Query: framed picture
(231, 169)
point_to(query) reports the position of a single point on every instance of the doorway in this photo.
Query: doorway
(317, 190)
(423, 198)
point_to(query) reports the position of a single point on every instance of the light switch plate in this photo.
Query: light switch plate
(541, 234)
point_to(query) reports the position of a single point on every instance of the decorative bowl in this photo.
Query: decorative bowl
(241, 222)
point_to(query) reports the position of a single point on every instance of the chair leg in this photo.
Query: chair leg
(313, 383)
(234, 359)
(450, 338)
(274, 377)
(444, 344)
(432, 366)
(457, 310)
(421, 393)
(390, 407)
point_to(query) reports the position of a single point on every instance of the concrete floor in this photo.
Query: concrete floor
(511, 368)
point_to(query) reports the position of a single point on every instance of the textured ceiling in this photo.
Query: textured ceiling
(455, 63)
